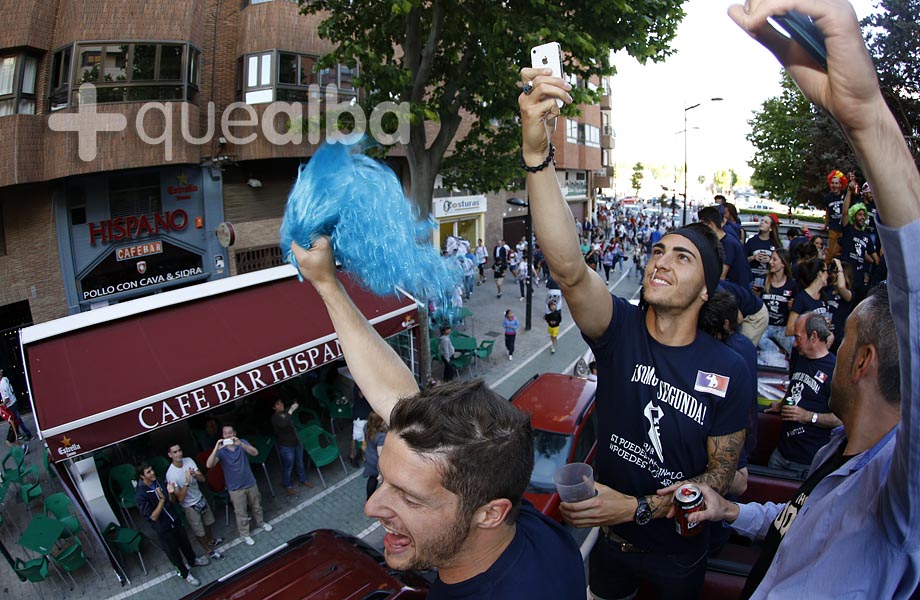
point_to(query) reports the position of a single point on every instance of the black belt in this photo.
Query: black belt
(624, 545)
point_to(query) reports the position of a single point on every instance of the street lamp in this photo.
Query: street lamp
(528, 234)
(686, 110)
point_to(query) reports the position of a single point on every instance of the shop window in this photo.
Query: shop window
(256, 259)
(131, 195)
(18, 73)
(128, 72)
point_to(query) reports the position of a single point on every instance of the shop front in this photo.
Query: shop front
(137, 368)
(123, 235)
(461, 217)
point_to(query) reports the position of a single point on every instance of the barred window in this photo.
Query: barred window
(256, 259)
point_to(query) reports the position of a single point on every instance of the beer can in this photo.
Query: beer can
(687, 500)
(789, 401)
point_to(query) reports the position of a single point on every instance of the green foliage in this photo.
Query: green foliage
(795, 147)
(638, 175)
(894, 41)
(448, 59)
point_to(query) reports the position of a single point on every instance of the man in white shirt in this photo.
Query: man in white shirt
(8, 397)
(184, 474)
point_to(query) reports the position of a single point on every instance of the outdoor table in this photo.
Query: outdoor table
(465, 313)
(463, 343)
(41, 534)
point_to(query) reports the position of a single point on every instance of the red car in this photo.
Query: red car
(320, 565)
(564, 429)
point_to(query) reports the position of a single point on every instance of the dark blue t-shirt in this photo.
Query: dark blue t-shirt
(657, 406)
(777, 301)
(738, 270)
(748, 352)
(762, 250)
(810, 389)
(748, 302)
(542, 562)
(834, 203)
(803, 303)
(854, 245)
(734, 229)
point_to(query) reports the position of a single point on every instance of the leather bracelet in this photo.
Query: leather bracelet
(550, 158)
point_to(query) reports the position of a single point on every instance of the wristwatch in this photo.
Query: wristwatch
(814, 417)
(643, 512)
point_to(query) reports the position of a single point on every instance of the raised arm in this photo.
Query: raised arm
(379, 372)
(584, 290)
(847, 202)
(849, 91)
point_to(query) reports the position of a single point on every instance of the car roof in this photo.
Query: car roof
(556, 402)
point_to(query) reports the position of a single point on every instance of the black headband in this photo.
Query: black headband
(712, 264)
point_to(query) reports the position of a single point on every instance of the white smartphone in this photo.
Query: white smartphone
(548, 56)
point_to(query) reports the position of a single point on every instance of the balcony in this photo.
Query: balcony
(606, 102)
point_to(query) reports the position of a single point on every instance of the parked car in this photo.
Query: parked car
(321, 565)
(564, 431)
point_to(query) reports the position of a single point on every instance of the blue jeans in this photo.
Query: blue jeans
(23, 430)
(291, 456)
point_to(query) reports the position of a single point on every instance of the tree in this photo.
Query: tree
(892, 37)
(796, 145)
(637, 175)
(448, 59)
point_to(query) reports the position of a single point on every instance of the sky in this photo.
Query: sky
(713, 58)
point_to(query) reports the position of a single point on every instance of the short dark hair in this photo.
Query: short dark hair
(482, 442)
(719, 197)
(720, 307)
(143, 466)
(710, 214)
(875, 326)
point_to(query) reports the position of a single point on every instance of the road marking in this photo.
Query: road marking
(369, 530)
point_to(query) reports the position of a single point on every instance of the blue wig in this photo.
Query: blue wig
(375, 231)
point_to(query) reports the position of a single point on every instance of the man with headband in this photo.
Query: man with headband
(856, 244)
(672, 401)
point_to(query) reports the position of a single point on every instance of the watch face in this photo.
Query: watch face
(643, 516)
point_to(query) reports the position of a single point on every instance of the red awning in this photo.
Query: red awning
(100, 377)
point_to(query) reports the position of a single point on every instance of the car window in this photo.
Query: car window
(587, 438)
(550, 451)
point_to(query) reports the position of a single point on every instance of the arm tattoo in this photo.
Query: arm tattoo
(723, 461)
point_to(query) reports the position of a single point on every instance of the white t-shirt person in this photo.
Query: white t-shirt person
(176, 476)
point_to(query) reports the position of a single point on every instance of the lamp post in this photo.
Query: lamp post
(528, 234)
(686, 110)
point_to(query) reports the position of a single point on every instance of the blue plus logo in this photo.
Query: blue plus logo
(87, 122)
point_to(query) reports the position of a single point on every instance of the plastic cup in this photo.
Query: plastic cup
(574, 482)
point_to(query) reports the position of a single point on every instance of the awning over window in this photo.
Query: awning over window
(100, 377)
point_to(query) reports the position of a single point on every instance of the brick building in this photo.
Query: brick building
(139, 216)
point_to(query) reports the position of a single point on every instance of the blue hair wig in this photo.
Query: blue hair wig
(375, 231)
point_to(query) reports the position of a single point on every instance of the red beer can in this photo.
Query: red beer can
(687, 500)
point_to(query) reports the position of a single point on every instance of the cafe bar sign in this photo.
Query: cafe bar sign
(131, 252)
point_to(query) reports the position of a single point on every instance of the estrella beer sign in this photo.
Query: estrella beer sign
(135, 226)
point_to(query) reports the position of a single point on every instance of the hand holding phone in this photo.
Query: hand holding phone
(548, 56)
(804, 31)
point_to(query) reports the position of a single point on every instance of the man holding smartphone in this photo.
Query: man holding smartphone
(672, 402)
(231, 452)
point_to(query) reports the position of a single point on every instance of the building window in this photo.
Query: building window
(571, 131)
(290, 81)
(131, 195)
(592, 136)
(18, 74)
(256, 259)
(125, 72)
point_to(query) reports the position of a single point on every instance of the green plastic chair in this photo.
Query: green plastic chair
(72, 559)
(46, 460)
(312, 438)
(4, 488)
(58, 506)
(125, 540)
(304, 417)
(33, 571)
(264, 445)
(484, 351)
(121, 478)
(463, 361)
(29, 492)
(160, 465)
(14, 466)
(335, 403)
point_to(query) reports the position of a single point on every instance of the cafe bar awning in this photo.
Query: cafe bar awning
(107, 375)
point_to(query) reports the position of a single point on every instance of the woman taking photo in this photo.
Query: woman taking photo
(778, 291)
(839, 296)
(812, 280)
(759, 248)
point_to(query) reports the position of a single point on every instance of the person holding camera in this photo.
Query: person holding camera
(154, 501)
(231, 452)
(184, 476)
(289, 447)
